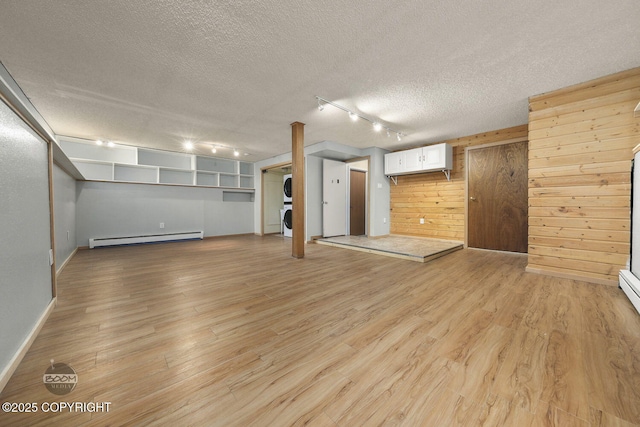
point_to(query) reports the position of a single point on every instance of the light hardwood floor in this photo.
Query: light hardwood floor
(236, 332)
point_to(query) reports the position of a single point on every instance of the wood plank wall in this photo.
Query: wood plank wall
(432, 197)
(580, 150)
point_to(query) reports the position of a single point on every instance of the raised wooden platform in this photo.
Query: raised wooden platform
(411, 248)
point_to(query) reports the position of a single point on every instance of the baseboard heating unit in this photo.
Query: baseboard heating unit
(147, 238)
(631, 286)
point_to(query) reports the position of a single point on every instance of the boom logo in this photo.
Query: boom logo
(60, 378)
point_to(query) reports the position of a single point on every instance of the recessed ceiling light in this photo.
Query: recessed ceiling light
(236, 153)
(99, 142)
(377, 126)
(110, 144)
(188, 145)
(214, 150)
(353, 116)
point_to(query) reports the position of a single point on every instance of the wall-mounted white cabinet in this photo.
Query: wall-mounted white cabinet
(438, 157)
(131, 164)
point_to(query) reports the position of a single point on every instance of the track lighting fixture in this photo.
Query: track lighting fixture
(377, 126)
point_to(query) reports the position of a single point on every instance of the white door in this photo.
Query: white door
(334, 198)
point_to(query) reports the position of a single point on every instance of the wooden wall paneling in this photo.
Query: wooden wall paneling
(580, 150)
(587, 91)
(441, 203)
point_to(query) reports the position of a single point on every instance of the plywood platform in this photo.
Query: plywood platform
(412, 248)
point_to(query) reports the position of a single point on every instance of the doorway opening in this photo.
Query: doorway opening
(274, 197)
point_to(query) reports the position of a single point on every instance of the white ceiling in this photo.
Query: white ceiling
(236, 73)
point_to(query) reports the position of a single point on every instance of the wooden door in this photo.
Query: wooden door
(357, 202)
(497, 183)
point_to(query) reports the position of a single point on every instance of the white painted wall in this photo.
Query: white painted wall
(108, 209)
(25, 282)
(380, 202)
(64, 208)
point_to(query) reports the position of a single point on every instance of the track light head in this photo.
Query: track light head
(354, 117)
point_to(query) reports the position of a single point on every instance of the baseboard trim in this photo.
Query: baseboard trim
(8, 371)
(571, 276)
(229, 235)
(66, 261)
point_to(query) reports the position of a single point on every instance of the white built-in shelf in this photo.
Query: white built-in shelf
(144, 165)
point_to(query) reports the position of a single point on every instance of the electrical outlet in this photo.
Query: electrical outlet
(162, 225)
(421, 220)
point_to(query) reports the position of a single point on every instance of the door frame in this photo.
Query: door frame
(466, 180)
(367, 193)
(262, 171)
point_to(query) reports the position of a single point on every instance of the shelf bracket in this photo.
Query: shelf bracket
(394, 179)
(447, 173)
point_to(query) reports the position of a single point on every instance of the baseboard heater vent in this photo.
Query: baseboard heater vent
(630, 284)
(148, 238)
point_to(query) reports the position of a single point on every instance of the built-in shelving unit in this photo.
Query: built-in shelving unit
(144, 165)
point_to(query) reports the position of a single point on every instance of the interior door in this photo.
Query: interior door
(357, 202)
(497, 183)
(334, 198)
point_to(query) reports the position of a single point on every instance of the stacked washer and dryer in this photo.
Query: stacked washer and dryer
(287, 216)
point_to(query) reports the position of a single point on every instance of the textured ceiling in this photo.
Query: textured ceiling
(236, 73)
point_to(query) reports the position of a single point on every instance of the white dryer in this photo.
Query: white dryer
(287, 189)
(287, 221)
